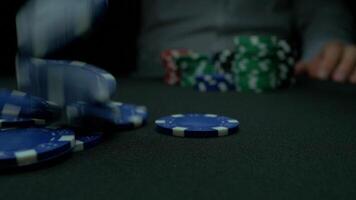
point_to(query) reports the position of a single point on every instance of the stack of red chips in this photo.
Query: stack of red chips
(168, 58)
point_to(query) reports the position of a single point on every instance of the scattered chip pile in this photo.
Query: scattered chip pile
(61, 106)
(256, 64)
(35, 131)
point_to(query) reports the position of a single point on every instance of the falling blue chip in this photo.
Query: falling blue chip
(29, 146)
(197, 125)
(57, 80)
(83, 142)
(112, 115)
(18, 104)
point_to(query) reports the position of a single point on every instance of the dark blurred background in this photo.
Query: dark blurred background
(111, 44)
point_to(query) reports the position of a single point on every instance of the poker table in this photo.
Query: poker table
(296, 143)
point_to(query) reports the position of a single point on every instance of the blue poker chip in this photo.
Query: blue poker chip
(11, 122)
(57, 80)
(197, 125)
(112, 115)
(83, 142)
(18, 104)
(132, 116)
(214, 83)
(30, 146)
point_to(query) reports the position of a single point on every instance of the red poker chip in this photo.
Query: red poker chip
(168, 57)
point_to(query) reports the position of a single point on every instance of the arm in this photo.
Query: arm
(326, 30)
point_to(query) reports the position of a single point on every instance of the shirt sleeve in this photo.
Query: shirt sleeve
(320, 21)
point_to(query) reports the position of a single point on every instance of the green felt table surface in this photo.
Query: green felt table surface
(298, 143)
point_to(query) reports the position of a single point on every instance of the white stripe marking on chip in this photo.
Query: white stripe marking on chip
(202, 87)
(178, 131)
(115, 104)
(68, 138)
(177, 115)
(136, 120)
(222, 87)
(10, 109)
(160, 121)
(233, 121)
(18, 93)
(79, 146)
(222, 131)
(26, 157)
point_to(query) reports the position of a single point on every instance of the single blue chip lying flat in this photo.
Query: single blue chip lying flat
(64, 82)
(29, 146)
(112, 115)
(197, 125)
(18, 104)
(215, 83)
(83, 142)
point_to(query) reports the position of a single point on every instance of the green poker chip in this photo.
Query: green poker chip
(258, 63)
(193, 65)
(262, 63)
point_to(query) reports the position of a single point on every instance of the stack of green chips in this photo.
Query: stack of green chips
(261, 63)
(193, 65)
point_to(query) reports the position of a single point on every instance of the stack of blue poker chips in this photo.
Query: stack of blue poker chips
(17, 104)
(32, 146)
(215, 83)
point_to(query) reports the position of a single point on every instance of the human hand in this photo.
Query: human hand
(335, 61)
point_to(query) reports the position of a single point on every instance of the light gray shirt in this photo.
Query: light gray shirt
(209, 25)
(205, 26)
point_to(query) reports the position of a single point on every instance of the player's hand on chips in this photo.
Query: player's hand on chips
(336, 61)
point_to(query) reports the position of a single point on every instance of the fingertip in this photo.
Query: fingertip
(338, 77)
